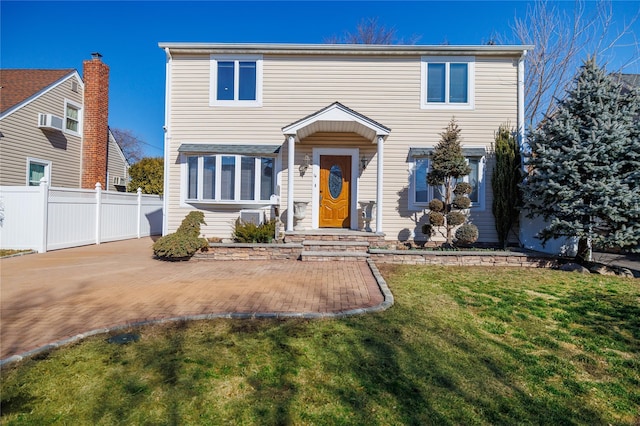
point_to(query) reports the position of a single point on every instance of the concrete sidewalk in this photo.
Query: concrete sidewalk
(53, 296)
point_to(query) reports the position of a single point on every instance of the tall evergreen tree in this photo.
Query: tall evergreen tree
(585, 165)
(147, 174)
(507, 175)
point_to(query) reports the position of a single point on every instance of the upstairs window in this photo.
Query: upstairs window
(236, 80)
(447, 82)
(72, 114)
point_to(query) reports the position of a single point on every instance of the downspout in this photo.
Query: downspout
(167, 140)
(521, 130)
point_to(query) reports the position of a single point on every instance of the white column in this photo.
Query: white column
(379, 184)
(290, 165)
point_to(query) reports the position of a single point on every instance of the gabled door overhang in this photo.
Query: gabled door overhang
(335, 118)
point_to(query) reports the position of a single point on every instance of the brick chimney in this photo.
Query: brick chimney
(95, 139)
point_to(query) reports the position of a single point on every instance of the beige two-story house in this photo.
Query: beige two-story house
(330, 137)
(54, 126)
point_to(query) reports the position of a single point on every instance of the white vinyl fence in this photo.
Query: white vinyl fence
(44, 218)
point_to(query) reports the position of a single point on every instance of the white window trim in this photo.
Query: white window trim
(213, 81)
(80, 116)
(45, 163)
(185, 200)
(448, 60)
(413, 205)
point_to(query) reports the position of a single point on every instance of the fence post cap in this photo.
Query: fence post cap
(98, 185)
(139, 191)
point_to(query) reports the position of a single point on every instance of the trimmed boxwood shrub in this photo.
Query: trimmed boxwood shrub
(455, 218)
(461, 202)
(436, 218)
(467, 234)
(183, 243)
(436, 205)
(462, 188)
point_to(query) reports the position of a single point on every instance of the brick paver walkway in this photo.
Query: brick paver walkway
(52, 296)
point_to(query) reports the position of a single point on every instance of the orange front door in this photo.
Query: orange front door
(335, 191)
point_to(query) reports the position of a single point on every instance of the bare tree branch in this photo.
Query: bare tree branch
(562, 41)
(130, 144)
(371, 31)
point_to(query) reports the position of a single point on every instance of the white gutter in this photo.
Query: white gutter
(167, 140)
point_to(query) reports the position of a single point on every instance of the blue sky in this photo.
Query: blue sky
(54, 34)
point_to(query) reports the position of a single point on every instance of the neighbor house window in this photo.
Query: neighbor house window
(36, 170)
(447, 82)
(420, 193)
(72, 115)
(229, 178)
(236, 80)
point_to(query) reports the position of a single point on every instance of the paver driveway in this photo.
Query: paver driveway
(52, 296)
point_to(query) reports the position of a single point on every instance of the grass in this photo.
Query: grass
(11, 252)
(466, 346)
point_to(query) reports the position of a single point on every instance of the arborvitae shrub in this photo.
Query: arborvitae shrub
(436, 218)
(436, 205)
(249, 232)
(467, 234)
(455, 218)
(461, 202)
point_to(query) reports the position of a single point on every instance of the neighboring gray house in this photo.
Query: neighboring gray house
(43, 118)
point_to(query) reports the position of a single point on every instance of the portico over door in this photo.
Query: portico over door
(335, 191)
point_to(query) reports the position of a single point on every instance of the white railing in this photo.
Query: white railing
(44, 218)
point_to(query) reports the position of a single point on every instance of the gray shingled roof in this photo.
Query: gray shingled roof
(203, 148)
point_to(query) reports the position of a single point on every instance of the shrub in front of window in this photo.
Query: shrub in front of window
(448, 167)
(185, 242)
(249, 232)
(467, 234)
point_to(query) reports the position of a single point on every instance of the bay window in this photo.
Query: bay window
(229, 178)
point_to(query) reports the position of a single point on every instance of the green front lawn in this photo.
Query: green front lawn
(460, 346)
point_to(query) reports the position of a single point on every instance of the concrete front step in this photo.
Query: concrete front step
(341, 256)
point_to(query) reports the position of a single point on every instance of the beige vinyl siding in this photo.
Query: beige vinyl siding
(21, 139)
(116, 163)
(385, 89)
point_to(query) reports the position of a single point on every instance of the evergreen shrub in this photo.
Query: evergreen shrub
(456, 218)
(436, 205)
(183, 243)
(467, 234)
(249, 232)
(461, 202)
(436, 218)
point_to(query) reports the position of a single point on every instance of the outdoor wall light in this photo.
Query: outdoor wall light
(305, 165)
(364, 162)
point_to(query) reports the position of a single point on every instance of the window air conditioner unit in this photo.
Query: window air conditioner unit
(254, 216)
(117, 180)
(49, 122)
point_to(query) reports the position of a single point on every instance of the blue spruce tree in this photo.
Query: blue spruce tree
(585, 165)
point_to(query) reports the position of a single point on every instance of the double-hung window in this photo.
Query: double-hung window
(420, 193)
(236, 80)
(72, 117)
(447, 82)
(230, 178)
